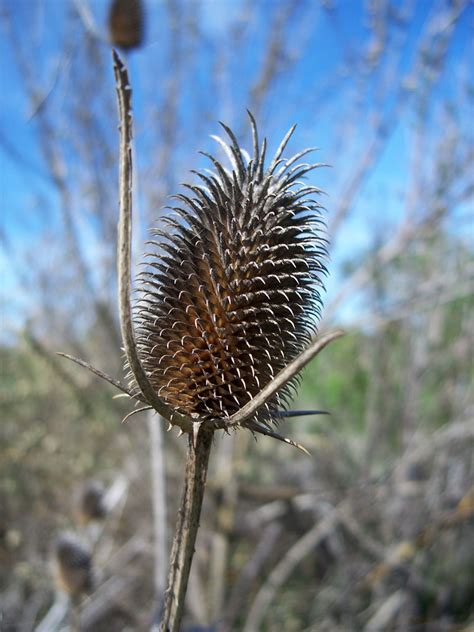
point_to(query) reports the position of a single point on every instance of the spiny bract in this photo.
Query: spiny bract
(231, 292)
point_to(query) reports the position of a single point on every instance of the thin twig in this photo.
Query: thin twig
(56, 615)
(226, 475)
(88, 22)
(285, 567)
(44, 353)
(250, 571)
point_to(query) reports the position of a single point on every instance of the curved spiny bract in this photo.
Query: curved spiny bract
(231, 292)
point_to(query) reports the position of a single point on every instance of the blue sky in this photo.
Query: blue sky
(30, 214)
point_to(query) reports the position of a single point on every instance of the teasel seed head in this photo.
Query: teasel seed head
(231, 292)
(73, 565)
(91, 504)
(126, 21)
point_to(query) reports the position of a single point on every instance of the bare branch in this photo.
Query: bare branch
(250, 571)
(283, 569)
(87, 19)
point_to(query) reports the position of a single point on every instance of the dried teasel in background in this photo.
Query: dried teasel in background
(91, 502)
(73, 565)
(232, 291)
(126, 23)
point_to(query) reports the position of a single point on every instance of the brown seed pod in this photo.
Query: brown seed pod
(232, 291)
(73, 565)
(126, 22)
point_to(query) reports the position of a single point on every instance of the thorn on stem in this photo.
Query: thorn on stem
(196, 426)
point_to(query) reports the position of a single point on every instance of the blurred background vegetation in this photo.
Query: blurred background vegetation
(376, 530)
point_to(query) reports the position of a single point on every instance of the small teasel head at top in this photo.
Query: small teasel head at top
(231, 292)
(126, 24)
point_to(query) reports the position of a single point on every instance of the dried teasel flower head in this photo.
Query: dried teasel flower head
(126, 21)
(73, 565)
(232, 291)
(91, 502)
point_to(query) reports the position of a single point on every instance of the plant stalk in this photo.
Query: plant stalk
(187, 525)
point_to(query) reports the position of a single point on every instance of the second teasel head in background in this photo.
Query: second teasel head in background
(126, 24)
